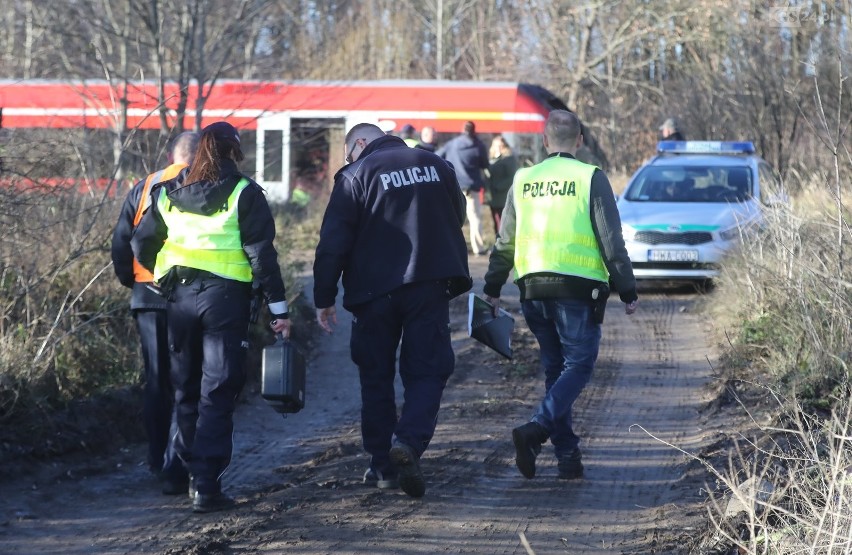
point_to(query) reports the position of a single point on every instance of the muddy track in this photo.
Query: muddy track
(298, 479)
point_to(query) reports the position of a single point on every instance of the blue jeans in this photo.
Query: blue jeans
(568, 340)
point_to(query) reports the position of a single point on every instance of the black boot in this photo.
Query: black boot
(528, 439)
(208, 503)
(571, 465)
(407, 464)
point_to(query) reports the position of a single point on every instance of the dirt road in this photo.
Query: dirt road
(298, 480)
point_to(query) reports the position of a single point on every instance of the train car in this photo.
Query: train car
(294, 129)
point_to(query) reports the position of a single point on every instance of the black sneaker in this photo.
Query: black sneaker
(208, 503)
(407, 464)
(571, 466)
(378, 479)
(528, 439)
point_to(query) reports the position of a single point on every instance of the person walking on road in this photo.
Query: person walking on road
(469, 157)
(149, 312)
(393, 229)
(208, 234)
(501, 172)
(562, 233)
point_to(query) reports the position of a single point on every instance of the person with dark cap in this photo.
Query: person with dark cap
(670, 131)
(469, 157)
(207, 236)
(393, 229)
(561, 232)
(407, 135)
(149, 311)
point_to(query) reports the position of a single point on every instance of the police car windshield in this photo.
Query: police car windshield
(691, 184)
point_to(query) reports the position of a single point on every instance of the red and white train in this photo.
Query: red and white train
(288, 116)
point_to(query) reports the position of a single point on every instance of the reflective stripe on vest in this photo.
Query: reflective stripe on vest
(211, 243)
(553, 230)
(140, 273)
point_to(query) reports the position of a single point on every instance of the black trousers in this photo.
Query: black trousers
(158, 395)
(208, 339)
(414, 318)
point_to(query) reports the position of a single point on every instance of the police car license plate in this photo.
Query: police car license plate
(680, 255)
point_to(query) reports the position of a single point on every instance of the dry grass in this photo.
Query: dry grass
(63, 319)
(66, 332)
(618, 180)
(784, 302)
(786, 489)
(787, 297)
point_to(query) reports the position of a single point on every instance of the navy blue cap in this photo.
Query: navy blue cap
(223, 131)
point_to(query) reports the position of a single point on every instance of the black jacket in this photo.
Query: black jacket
(395, 216)
(257, 227)
(676, 136)
(469, 157)
(606, 224)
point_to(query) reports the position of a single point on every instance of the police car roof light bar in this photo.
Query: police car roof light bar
(705, 147)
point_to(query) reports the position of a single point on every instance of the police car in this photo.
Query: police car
(684, 209)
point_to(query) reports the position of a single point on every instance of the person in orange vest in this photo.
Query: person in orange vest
(208, 236)
(149, 311)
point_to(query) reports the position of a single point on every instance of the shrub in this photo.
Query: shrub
(787, 295)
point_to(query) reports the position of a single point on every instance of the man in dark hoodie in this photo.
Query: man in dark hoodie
(393, 229)
(220, 232)
(469, 157)
(149, 311)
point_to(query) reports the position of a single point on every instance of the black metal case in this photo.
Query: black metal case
(283, 381)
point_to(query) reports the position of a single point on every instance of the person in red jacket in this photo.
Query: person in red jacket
(149, 311)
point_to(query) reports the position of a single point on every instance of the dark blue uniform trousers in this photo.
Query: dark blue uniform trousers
(208, 338)
(418, 315)
(158, 395)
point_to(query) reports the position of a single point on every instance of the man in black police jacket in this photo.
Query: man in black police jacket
(393, 228)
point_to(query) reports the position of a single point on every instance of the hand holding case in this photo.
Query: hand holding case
(283, 380)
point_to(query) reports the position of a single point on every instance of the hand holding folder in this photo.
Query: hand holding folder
(492, 331)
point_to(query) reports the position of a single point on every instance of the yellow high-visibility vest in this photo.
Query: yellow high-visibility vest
(553, 230)
(211, 243)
